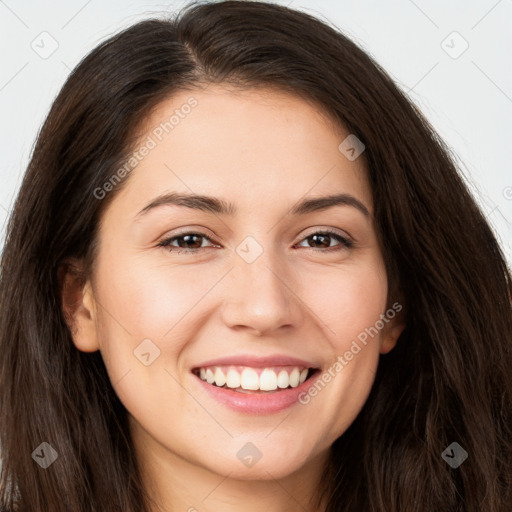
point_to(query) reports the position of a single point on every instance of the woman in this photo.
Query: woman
(242, 271)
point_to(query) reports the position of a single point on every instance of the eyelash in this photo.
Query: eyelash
(345, 243)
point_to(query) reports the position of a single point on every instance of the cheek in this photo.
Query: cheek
(147, 316)
(347, 301)
(140, 301)
(149, 297)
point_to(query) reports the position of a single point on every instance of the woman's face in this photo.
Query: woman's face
(241, 286)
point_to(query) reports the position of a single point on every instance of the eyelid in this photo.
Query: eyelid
(330, 230)
(345, 240)
(166, 241)
(190, 230)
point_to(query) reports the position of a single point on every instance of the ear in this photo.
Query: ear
(392, 332)
(389, 338)
(78, 305)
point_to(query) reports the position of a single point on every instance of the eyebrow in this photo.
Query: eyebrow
(218, 206)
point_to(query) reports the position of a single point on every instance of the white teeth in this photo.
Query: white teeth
(209, 376)
(250, 380)
(268, 379)
(233, 379)
(283, 381)
(294, 378)
(220, 379)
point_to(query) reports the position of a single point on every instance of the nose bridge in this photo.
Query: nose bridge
(259, 296)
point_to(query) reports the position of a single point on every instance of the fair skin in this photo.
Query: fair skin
(263, 151)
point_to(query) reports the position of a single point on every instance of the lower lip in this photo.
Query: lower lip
(257, 403)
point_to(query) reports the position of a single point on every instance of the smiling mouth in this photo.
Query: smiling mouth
(246, 379)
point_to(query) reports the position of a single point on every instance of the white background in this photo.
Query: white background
(468, 99)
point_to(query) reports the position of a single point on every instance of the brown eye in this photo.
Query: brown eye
(324, 239)
(185, 242)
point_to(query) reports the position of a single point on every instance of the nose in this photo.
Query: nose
(261, 298)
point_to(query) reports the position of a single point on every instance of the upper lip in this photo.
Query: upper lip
(257, 361)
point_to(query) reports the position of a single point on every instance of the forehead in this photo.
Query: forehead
(253, 145)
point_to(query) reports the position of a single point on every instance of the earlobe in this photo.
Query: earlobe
(390, 338)
(78, 306)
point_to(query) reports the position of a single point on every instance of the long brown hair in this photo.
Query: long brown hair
(447, 380)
